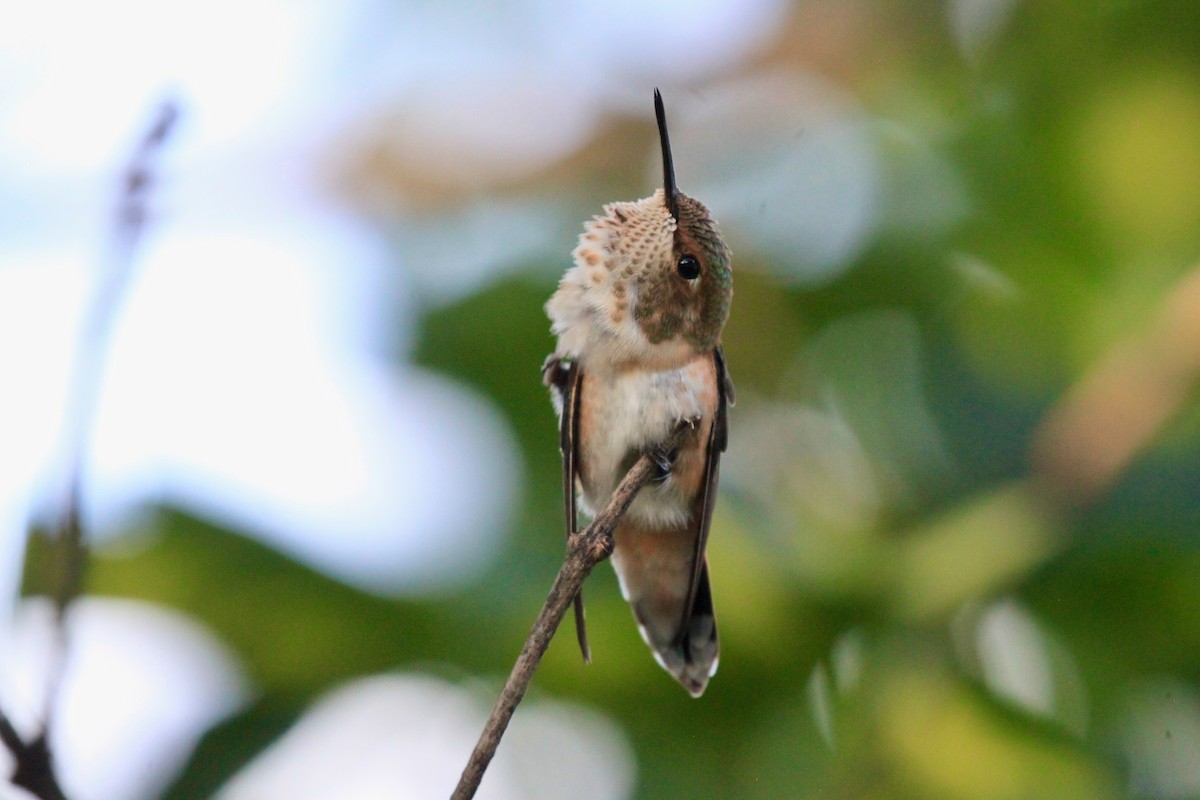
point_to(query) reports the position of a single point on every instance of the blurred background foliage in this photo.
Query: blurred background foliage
(956, 551)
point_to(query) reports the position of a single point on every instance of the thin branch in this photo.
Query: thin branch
(584, 551)
(9, 736)
(128, 225)
(34, 769)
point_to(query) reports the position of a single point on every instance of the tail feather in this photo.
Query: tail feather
(684, 645)
(655, 568)
(692, 655)
(581, 629)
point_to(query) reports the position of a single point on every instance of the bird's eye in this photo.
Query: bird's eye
(688, 267)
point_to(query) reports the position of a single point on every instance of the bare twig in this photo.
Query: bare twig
(584, 551)
(128, 225)
(8, 734)
(34, 769)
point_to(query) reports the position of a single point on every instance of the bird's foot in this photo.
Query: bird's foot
(664, 460)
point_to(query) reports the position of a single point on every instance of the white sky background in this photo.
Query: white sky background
(240, 380)
(243, 381)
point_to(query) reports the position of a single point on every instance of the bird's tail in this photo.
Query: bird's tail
(655, 578)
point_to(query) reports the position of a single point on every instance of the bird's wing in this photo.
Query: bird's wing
(699, 600)
(566, 377)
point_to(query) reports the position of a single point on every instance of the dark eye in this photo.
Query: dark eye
(688, 267)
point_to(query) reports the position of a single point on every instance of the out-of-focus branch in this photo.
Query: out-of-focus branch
(584, 551)
(33, 771)
(34, 768)
(128, 224)
(1092, 435)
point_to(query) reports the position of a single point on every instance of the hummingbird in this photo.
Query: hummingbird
(638, 320)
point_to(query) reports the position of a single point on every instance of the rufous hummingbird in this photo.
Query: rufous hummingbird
(638, 320)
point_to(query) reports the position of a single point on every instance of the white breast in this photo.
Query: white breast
(629, 411)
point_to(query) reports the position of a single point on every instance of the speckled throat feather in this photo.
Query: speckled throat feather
(624, 302)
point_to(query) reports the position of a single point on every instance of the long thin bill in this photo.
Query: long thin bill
(669, 188)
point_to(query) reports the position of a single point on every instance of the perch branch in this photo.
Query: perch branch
(584, 551)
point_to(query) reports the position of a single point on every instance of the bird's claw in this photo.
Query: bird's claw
(664, 460)
(554, 371)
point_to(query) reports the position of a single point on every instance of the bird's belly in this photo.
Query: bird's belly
(624, 414)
